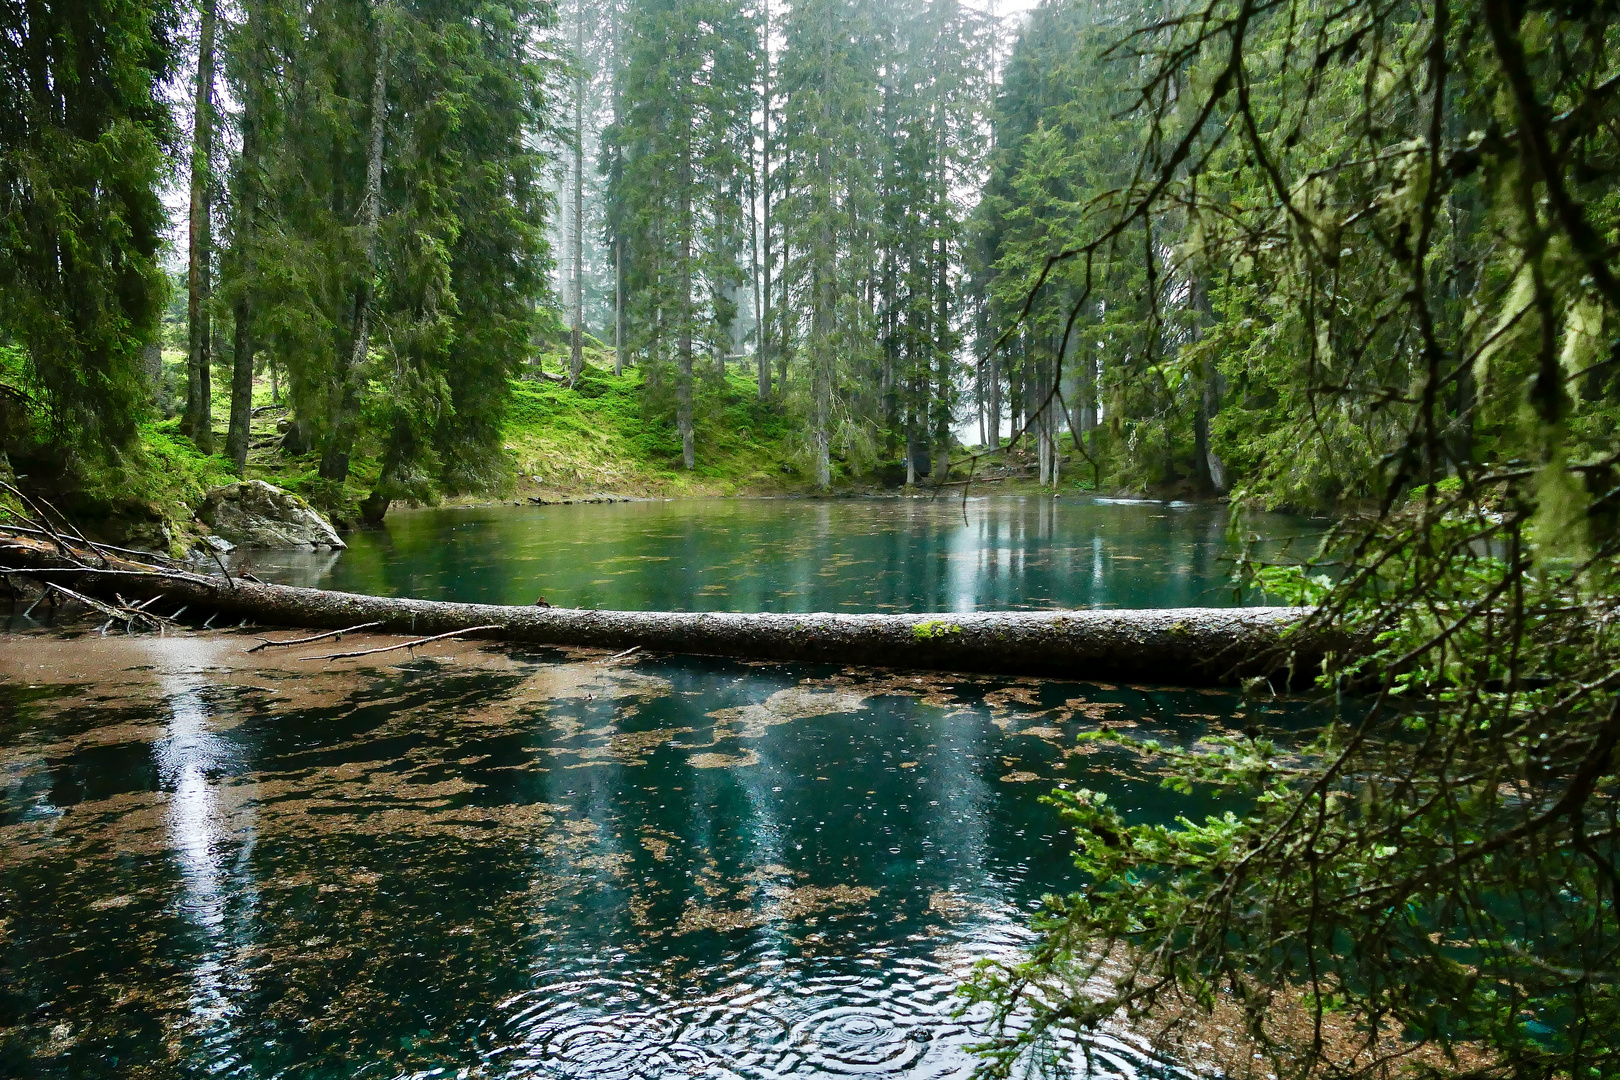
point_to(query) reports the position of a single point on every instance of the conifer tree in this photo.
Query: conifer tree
(682, 143)
(249, 73)
(83, 139)
(199, 421)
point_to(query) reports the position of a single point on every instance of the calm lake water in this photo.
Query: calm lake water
(494, 862)
(491, 863)
(991, 553)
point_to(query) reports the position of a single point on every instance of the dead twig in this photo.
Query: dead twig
(402, 645)
(619, 655)
(125, 612)
(221, 563)
(137, 552)
(268, 644)
(94, 605)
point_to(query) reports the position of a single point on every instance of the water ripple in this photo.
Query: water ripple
(765, 1020)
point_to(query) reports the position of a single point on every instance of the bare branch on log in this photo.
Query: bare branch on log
(125, 612)
(268, 644)
(402, 645)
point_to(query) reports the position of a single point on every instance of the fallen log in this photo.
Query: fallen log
(1177, 646)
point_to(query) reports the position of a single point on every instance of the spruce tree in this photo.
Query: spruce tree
(83, 143)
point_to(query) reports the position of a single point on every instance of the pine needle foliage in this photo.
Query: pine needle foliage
(83, 138)
(1405, 219)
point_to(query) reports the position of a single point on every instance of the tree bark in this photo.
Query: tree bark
(765, 209)
(576, 339)
(683, 377)
(199, 420)
(1175, 646)
(247, 194)
(618, 225)
(346, 392)
(618, 305)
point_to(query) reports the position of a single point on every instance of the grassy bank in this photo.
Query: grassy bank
(560, 442)
(596, 437)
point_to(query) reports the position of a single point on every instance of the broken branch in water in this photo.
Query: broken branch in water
(402, 645)
(619, 655)
(268, 644)
(125, 612)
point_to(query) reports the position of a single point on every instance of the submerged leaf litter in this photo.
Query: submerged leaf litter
(487, 862)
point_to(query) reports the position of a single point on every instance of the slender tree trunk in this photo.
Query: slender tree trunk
(765, 210)
(576, 343)
(978, 399)
(199, 419)
(822, 368)
(683, 378)
(784, 338)
(943, 345)
(618, 305)
(753, 265)
(1208, 469)
(346, 394)
(618, 226)
(994, 375)
(242, 348)
(247, 188)
(152, 364)
(943, 356)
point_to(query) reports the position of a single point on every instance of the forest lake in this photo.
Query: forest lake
(482, 860)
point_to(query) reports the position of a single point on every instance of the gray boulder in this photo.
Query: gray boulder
(259, 515)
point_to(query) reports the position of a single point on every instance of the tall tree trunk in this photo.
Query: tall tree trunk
(978, 399)
(765, 209)
(346, 392)
(1209, 472)
(618, 226)
(246, 240)
(683, 377)
(943, 357)
(618, 305)
(199, 419)
(993, 362)
(821, 361)
(1212, 470)
(242, 349)
(753, 267)
(780, 346)
(576, 339)
(152, 365)
(944, 353)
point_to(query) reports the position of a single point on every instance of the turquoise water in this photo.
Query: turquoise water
(990, 553)
(497, 863)
(490, 863)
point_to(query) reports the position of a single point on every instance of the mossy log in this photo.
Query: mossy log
(1176, 646)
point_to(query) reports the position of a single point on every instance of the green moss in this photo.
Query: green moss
(600, 436)
(925, 631)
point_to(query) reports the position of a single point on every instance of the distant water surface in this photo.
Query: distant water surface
(911, 554)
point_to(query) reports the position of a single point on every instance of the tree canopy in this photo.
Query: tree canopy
(1383, 240)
